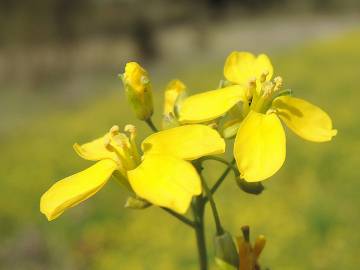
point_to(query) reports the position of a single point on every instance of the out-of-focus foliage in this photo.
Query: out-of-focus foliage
(309, 210)
(66, 21)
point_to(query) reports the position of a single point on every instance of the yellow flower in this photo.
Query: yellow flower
(174, 93)
(259, 147)
(163, 175)
(138, 90)
(241, 67)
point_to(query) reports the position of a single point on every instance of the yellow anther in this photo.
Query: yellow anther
(268, 88)
(114, 130)
(121, 140)
(278, 83)
(252, 83)
(130, 128)
(263, 76)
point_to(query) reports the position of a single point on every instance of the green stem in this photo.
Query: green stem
(209, 197)
(180, 217)
(222, 178)
(219, 229)
(231, 165)
(150, 123)
(198, 211)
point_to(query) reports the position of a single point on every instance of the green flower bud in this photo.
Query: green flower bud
(255, 188)
(136, 203)
(226, 256)
(138, 90)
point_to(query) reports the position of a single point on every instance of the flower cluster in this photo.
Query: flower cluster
(250, 107)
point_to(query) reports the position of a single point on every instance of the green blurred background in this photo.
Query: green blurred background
(59, 62)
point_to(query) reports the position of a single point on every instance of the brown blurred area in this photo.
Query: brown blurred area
(46, 40)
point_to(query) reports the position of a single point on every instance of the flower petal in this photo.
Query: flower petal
(210, 105)
(241, 67)
(263, 64)
(260, 146)
(238, 67)
(305, 119)
(172, 92)
(74, 189)
(94, 150)
(186, 142)
(166, 181)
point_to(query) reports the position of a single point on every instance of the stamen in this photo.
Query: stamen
(121, 140)
(130, 129)
(114, 130)
(268, 89)
(107, 141)
(278, 83)
(263, 76)
(134, 149)
(252, 83)
(252, 89)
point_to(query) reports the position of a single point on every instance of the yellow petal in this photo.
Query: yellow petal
(241, 67)
(172, 92)
(259, 147)
(94, 150)
(305, 119)
(186, 142)
(238, 67)
(263, 64)
(74, 189)
(166, 181)
(210, 105)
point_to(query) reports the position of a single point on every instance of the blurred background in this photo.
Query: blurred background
(59, 61)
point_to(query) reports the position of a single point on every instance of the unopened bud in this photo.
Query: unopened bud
(248, 254)
(254, 188)
(138, 90)
(259, 245)
(226, 256)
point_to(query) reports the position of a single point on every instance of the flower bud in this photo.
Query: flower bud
(226, 256)
(248, 254)
(138, 90)
(254, 188)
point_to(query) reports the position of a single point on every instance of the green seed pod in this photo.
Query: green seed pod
(226, 256)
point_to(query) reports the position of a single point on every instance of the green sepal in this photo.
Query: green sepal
(136, 203)
(255, 188)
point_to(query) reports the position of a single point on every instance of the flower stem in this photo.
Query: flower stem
(219, 228)
(150, 123)
(180, 217)
(198, 211)
(222, 177)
